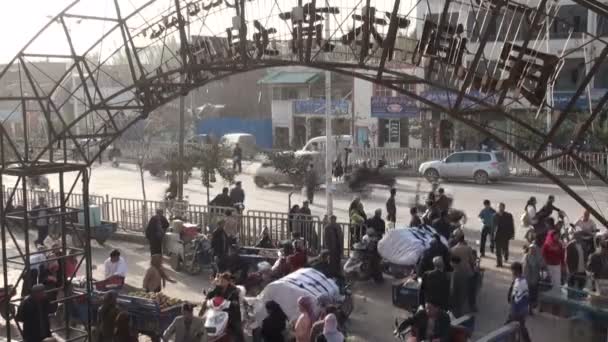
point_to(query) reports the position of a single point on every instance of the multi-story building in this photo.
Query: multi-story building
(298, 104)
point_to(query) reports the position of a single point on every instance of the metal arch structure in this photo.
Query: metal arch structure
(127, 58)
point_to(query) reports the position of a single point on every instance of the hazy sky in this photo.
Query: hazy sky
(21, 19)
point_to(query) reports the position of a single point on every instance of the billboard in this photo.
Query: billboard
(317, 106)
(388, 107)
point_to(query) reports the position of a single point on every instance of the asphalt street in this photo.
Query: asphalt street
(374, 315)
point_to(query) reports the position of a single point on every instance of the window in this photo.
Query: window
(571, 74)
(602, 26)
(281, 93)
(500, 157)
(455, 158)
(569, 17)
(470, 157)
(380, 90)
(484, 157)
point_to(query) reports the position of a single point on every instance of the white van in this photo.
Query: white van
(317, 145)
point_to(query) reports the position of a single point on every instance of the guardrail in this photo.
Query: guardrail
(563, 166)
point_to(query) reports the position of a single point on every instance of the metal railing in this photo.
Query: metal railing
(563, 166)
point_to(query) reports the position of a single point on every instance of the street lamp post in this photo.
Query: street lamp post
(329, 146)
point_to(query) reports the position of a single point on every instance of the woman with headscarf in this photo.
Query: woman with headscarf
(533, 264)
(357, 220)
(304, 322)
(330, 330)
(274, 325)
(106, 317)
(123, 331)
(553, 253)
(155, 277)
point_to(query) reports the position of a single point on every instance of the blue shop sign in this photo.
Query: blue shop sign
(562, 98)
(393, 107)
(448, 98)
(317, 106)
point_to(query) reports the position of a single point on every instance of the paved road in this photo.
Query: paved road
(374, 315)
(125, 182)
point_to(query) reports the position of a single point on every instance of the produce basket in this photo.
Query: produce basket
(147, 315)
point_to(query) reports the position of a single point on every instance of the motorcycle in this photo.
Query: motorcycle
(216, 316)
(359, 265)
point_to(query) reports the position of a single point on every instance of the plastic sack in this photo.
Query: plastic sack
(404, 246)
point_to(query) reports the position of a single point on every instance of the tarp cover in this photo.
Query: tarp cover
(301, 283)
(404, 246)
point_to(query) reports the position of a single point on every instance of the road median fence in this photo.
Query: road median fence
(132, 216)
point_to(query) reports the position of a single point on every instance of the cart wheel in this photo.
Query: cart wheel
(175, 262)
(11, 310)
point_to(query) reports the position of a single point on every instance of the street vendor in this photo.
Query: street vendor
(115, 268)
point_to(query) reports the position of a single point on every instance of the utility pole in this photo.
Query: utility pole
(329, 146)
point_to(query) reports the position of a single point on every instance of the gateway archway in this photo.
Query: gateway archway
(463, 58)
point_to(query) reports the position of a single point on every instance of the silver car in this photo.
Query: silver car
(481, 166)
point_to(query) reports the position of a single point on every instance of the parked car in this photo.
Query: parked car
(201, 139)
(481, 166)
(246, 142)
(267, 174)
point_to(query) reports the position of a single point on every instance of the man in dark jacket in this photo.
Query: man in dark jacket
(310, 180)
(34, 313)
(436, 249)
(377, 223)
(237, 157)
(547, 209)
(435, 286)
(222, 200)
(576, 259)
(391, 207)
(433, 316)
(155, 232)
(237, 194)
(442, 225)
(442, 202)
(225, 288)
(333, 239)
(504, 230)
(219, 244)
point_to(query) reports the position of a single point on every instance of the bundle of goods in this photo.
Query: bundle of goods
(404, 246)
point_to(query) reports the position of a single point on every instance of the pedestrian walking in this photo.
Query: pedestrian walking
(459, 286)
(518, 299)
(576, 260)
(504, 231)
(377, 223)
(237, 157)
(533, 263)
(553, 253)
(598, 262)
(310, 181)
(304, 322)
(293, 224)
(156, 276)
(222, 200)
(468, 263)
(330, 330)
(391, 208)
(333, 238)
(123, 331)
(106, 317)
(435, 286)
(42, 223)
(237, 194)
(155, 232)
(415, 220)
(485, 215)
(186, 327)
(273, 326)
(34, 313)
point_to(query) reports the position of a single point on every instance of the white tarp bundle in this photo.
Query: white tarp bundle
(404, 246)
(301, 283)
